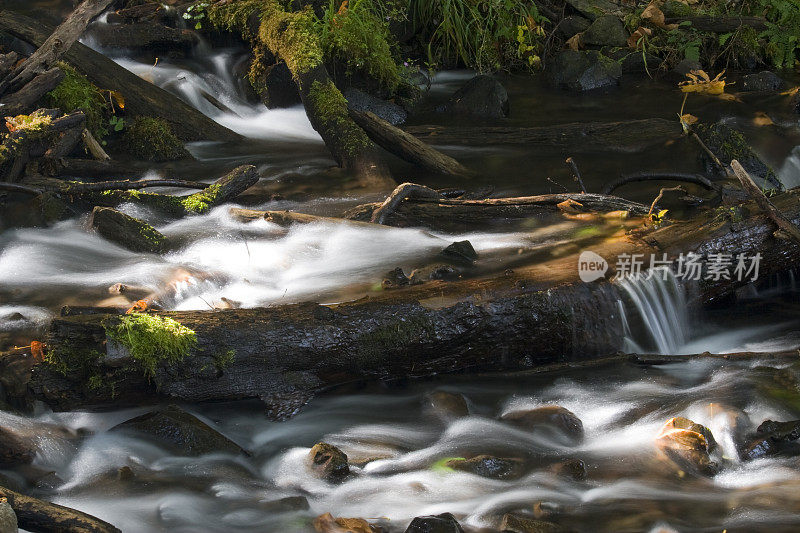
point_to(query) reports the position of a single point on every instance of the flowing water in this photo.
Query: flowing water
(394, 438)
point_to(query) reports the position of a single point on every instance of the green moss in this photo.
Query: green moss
(77, 93)
(392, 337)
(202, 201)
(330, 105)
(153, 139)
(151, 339)
(36, 125)
(223, 360)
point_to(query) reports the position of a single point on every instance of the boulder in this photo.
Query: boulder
(15, 450)
(685, 66)
(607, 30)
(572, 25)
(388, 111)
(180, 432)
(765, 81)
(584, 70)
(440, 523)
(482, 97)
(8, 518)
(549, 416)
(447, 405)
(773, 438)
(593, 9)
(685, 443)
(328, 462)
(460, 252)
(729, 143)
(517, 523)
(489, 466)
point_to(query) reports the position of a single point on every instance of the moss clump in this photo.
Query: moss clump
(36, 125)
(223, 360)
(152, 139)
(77, 93)
(152, 339)
(330, 105)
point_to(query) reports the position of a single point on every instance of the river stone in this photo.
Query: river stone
(461, 252)
(447, 405)
(685, 66)
(482, 97)
(683, 442)
(765, 81)
(773, 438)
(572, 25)
(489, 466)
(436, 272)
(328, 462)
(584, 70)
(285, 505)
(8, 518)
(15, 450)
(572, 468)
(181, 432)
(388, 111)
(517, 523)
(554, 416)
(440, 523)
(605, 31)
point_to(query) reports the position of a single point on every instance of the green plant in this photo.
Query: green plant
(482, 34)
(76, 92)
(196, 12)
(116, 122)
(783, 31)
(152, 138)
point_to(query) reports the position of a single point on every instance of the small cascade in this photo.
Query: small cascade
(659, 300)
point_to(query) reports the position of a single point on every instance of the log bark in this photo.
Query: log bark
(141, 96)
(406, 146)
(625, 136)
(130, 233)
(721, 24)
(52, 48)
(24, 100)
(39, 516)
(93, 147)
(538, 315)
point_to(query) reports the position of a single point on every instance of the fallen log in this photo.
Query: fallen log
(625, 136)
(40, 516)
(763, 202)
(126, 231)
(24, 100)
(406, 146)
(537, 315)
(721, 24)
(52, 48)
(141, 96)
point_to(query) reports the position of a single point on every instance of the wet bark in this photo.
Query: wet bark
(287, 353)
(625, 136)
(24, 100)
(40, 516)
(141, 96)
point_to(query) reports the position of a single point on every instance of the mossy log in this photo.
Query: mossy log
(624, 136)
(25, 99)
(406, 146)
(126, 231)
(141, 96)
(40, 516)
(54, 46)
(291, 37)
(540, 314)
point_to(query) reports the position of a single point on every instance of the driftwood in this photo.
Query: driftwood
(25, 99)
(406, 146)
(626, 136)
(537, 315)
(721, 24)
(403, 191)
(40, 516)
(288, 218)
(141, 97)
(93, 147)
(763, 202)
(51, 49)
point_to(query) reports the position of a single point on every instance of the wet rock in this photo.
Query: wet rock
(765, 81)
(285, 505)
(482, 96)
(517, 523)
(15, 450)
(8, 518)
(572, 468)
(593, 9)
(572, 25)
(148, 36)
(685, 444)
(584, 70)
(328, 462)
(636, 62)
(489, 466)
(128, 232)
(433, 273)
(326, 523)
(181, 432)
(388, 111)
(685, 67)
(276, 87)
(15, 373)
(552, 416)
(447, 405)
(605, 31)
(460, 252)
(441, 523)
(395, 278)
(729, 143)
(772, 438)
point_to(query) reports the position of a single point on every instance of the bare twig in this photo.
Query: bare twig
(576, 175)
(403, 191)
(661, 195)
(708, 151)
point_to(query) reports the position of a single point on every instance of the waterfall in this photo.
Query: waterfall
(660, 303)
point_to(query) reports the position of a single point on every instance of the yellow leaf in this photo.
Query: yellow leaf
(761, 119)
(575, 42)
(655, 16)
(118, 98)
(689, 119)
(700, 82)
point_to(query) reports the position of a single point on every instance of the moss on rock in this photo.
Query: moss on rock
(153, 139)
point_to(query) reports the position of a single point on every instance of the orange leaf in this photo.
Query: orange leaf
(37, 351)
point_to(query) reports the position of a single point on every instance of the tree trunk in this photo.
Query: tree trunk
(539, 314)
(141, 97)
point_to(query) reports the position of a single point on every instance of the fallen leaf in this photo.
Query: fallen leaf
(37, 351)
(118, 98)
(575, 42)
(700, 82)
(570, 206)
(761, 119)
(655, 16)
(635, 40)
(790, 92)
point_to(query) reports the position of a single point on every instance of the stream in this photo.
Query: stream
(393, 434)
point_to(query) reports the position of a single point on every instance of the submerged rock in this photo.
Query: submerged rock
(328, 462)
(8, 518)
(572, 468)
(326, 523)
(489, 466)
(285, 505)
(482, 96)
(688, 444)
(14, 449)
(766, 81)
(605, 31)
(388, 111)
(433, 273)
(517, 523)
(181, 432)
(584, 70)
(447, 405)
(441, 523)
(572, 25)
(395, 278)
(552, 416)
(773, 438)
